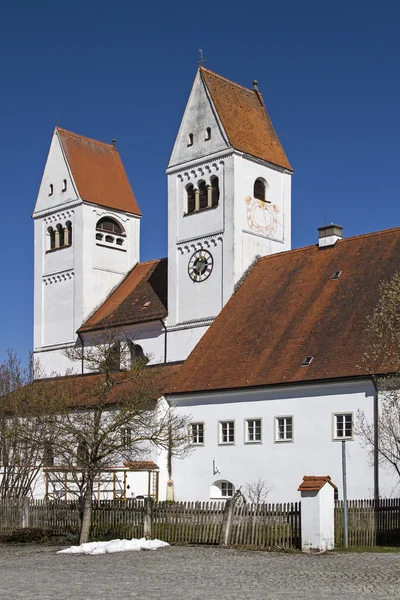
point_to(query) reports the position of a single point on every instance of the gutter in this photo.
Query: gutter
(82, 356)
(376, 440)
(165, 341)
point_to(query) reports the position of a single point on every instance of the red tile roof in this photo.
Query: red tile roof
(313, 483)
(84, 391)
(98, 172)
(288, 308)
(245, 120)
(141, 465)
(142, 296)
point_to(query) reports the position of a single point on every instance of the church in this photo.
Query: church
(261, 345)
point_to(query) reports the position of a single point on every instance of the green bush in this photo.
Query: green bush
(26, 535)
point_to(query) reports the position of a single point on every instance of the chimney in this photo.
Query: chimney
(329, 235)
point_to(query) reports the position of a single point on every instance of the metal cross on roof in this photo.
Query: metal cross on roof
(202, 60)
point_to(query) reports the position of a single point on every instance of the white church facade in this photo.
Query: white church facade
(265, 343)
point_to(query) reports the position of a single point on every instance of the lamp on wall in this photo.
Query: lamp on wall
(216, 471)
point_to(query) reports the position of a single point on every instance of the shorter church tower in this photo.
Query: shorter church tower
(87, 229)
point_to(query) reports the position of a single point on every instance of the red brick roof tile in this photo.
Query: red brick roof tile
(313, 483)
(245, 120)
(289, 307)
(142, 296)
(98, 172)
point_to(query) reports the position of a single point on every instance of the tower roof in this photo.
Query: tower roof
(98, 172)
(245, 120)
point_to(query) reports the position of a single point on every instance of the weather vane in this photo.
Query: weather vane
(202, 60)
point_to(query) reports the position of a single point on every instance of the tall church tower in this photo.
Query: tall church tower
(87, 227)
(229, 201)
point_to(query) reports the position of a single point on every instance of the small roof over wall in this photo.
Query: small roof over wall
(314, 483)
(141, 465)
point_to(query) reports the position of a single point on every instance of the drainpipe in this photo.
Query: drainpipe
(376, 441)
(82, 356)
(165, 340)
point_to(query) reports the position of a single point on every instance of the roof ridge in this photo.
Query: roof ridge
(228, 80)
(84, 137)
(343, 240)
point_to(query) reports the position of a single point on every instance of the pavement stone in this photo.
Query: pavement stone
(190, 573)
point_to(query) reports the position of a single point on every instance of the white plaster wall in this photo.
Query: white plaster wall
(199, 114)
(103, 268)
(180, 342)
(260, 229)
(317, 519)
(281, 464)
(54, 362)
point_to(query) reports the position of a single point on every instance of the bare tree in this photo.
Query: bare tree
(22, 434)
(256, 492)
(383, 327)
(88, 418)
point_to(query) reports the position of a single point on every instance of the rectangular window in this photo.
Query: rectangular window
(227, 432)
(226, 489)
(126, 437)
(343, 425)
(284, 429)
(197, 434)
(253, 430)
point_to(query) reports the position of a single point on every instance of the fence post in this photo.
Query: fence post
(227, 522)
(148, 517)
(25, 513)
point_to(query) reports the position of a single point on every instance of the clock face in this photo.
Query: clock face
(200, 265)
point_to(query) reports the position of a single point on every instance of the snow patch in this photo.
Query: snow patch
(114, 546)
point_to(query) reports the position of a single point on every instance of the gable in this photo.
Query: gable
(288, 308)
(199, 115)
(57, 174)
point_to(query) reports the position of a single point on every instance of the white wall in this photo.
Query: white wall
(281, 465)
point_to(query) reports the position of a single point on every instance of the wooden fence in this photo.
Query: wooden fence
(370, 523)
(266, 526)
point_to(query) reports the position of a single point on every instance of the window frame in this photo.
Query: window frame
(197, 424)
(335, 437)
(246, 430)
(284, 440)
(228, 443)
(227, 483)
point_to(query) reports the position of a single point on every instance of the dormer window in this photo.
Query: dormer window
(190, 140)
(64, 188)
(259, 190)
(51, 189)
(110, 233)
(208, 134)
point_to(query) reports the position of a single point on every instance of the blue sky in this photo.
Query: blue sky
(328, 73)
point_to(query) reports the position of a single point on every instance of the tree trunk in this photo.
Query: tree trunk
(87, 513)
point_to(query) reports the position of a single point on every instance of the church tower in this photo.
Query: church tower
(87, 227)
(229, 202)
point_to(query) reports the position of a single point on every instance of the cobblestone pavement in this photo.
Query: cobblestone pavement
(189, 573)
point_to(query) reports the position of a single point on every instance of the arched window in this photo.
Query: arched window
(208, 134)
(109, 225)
(191, 198)
(259, 190)
(60, 230)
(137, 354)
(203, 195)
(190, 140)
(68, 233)
(52, 235)
(51, 189)
(222, 489)
(64, 188)
(214, 191)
